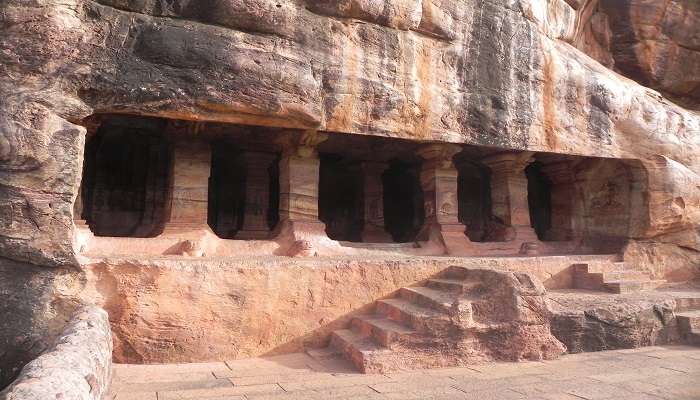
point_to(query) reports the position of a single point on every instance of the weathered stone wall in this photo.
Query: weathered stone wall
(497, 73)
(169, 310)
(591, 322)
(36, 305)
(492, 73)
(77, 367)
(653, 42)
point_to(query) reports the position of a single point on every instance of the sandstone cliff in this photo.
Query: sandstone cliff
(498, 73)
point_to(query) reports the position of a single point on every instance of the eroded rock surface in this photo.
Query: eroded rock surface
(78, 366)
(506, 74)
(597, 321)
(496, 73)
(656, 43)
(37, 304)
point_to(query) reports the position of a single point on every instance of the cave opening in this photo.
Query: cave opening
(474, 195)
(404, 212)
(226, 191)
(125, 178)
(539, 198)
(340, 202)
(243, 192)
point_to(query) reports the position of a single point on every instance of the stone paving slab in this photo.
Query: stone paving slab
(652, 373)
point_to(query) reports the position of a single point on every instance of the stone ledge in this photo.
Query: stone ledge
(77, 367)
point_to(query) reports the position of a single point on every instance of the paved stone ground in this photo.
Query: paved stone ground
(668, 372)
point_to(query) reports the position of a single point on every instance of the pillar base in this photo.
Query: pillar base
(302, 238)
(450, 237)
(191, 239)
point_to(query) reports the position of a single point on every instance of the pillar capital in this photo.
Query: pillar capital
(508, 161)
(439, 153)
(301, 144)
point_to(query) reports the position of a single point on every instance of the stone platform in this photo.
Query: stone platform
(193, 309)
(651, 373)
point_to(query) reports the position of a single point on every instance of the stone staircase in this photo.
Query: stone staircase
(688, 319)
(615, 277)
(457, 318)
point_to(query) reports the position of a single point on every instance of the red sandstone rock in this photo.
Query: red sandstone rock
(500, 75)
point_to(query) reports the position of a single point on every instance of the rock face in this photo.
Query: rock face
(78, 366)
(37, 304)
(655, 43)
(594, 322)
(497, 73)
(507, 74)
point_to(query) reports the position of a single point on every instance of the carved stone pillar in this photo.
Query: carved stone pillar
(191, 165)
(374, 231)
(563, 191)
(509, 193)
(439, 183)
(299, 169)
(257, 195)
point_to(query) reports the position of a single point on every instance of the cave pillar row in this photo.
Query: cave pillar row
(509, 202)
(257, 195)
(300, 230)
(438, 179)
(191, 166)
(563, 194)
(374, 230)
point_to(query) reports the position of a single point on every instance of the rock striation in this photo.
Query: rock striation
(489, 73)
(654, 43)
(614, 83)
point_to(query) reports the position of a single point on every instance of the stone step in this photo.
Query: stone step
(687, 304)
(369, 357)
(324, 353)
(689, 320)
(383, 330)
(689, 326)
(628, 286)
(422, 319)
(427, 297)
(596, 268)
(360, 350)
(627, 275)
(453, 285)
